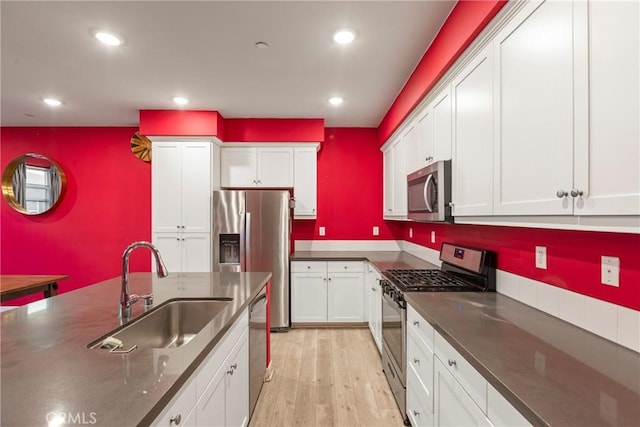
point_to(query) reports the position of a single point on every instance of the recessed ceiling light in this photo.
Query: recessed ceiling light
(52, 102)
(344, 36)
(336, 100)
(262, 45)
(180, 100)
(108, 38)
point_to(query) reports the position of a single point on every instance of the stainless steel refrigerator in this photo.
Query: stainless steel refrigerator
(252, 232)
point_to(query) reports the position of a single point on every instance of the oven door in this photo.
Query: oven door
(393, 331)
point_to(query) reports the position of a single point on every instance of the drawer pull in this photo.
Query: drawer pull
(416, 413)
(452, 362)
(175, 420)
(308, 267)
(416, 361)
(416, 323)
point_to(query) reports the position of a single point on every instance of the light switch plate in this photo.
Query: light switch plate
(610, 271)
(541, 257)
(376, 230)
(321, 231)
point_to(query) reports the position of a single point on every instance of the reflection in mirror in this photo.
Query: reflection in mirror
(32, 183)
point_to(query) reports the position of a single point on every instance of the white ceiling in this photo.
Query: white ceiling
(204, 50)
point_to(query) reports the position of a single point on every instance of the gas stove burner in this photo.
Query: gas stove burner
(429, 281)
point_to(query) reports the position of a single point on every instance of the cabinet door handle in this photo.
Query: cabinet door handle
(373, 289)
(561, 194)
(416, 413)
(416, 323)
(576, 193)
(416, 361)
(452, 362)
(176, 419)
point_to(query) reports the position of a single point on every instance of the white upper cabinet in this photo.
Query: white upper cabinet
(534, 86)
(387, 172)
(412, 152)
(181, 187)
(305, 177)
(433, 130)
(607, 162)
(246, 167)
(472, 166)
(442, 125)
(275, 167)
(238, 167)
(395, 180)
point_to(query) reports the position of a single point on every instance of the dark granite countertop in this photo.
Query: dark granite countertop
(382, 260)
(555, 373)
(47, 369)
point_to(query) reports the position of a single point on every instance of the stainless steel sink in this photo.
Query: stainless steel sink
(170, 325)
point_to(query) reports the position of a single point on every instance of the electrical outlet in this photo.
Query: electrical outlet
(433, 237)
(410, 232)
(541, 257)
(610, 271)
(321, 231)
(376, 230)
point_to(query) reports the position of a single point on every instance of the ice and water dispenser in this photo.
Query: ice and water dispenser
(229, 248)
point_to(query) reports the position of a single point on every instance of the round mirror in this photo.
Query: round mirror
(33, 184)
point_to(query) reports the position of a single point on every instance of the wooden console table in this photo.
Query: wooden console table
(15, 286)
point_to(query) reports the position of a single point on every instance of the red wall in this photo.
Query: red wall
(573, 257)
(274, 130)
(349, 189)
(107, 205)
(467, 19)
(181, 123)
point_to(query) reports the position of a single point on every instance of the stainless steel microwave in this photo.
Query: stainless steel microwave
(429, 193)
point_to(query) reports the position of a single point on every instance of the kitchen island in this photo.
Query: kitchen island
(47, 370)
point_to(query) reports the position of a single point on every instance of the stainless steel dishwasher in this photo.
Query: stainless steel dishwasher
(257, 347)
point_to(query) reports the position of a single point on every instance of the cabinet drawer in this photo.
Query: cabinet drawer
(345, 266)
(421, 327)
(420, 358)
(220, 352)
(473, 383)
(419, 411)
(181, 406)
(308, 267)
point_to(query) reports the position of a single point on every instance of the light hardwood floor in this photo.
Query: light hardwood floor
(326, 377)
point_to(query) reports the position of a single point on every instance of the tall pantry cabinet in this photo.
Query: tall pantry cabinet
(181, 188)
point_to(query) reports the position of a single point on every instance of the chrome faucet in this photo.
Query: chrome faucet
(126, 299)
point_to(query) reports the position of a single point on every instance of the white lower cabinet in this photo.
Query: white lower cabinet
(218, 393)
(419, 370)
(443, 389)
(453, 406)
(225, 402)
(374, 300)
(182, 409)
(324, 291)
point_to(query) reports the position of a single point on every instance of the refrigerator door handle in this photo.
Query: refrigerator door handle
(247, 242)
(243, 246)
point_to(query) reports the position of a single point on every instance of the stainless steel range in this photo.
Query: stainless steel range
(463, 270)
